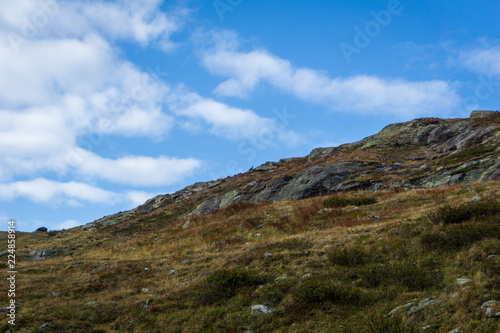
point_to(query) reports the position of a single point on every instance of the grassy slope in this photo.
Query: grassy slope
(361, 267)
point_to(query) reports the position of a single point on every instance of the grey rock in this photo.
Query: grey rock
(455, 330)
(268, 166)
(463, 280)
(261, 310)
(489, 313)
(422, 305)
(44, 326)
(475, 199)
(314, 181)
(267, 255)
(39, 254)
(488, 304)
(492, 256)
(396, 309)
(42, 229)
(172, 271)
(206, 274)
(479, 114)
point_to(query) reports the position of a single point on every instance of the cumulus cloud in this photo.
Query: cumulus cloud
(135, 170)
(245, 70)
(42, 190)
(140, 21)
(482, 60)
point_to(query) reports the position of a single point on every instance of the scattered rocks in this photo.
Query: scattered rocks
(261, 310)
(41, 229)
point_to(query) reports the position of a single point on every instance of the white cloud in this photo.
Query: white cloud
(48, 191)
(362, 94)
(141, 21)
(135, 170)
(68, 224)
(137, 198)
(482, 60)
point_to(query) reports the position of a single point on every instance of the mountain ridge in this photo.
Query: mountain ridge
(415, 154)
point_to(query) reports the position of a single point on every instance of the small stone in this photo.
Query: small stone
(146, 269)
(455, 330)
(206, 274)
(91, 303)
(267, 255)
(185, 225)
(261, 309)
(489, 313)
(422, 305)
(492, 256)
(172, 271)
(44, 326)
(487, 304)
(257, 235)
(308, 275)
(185, 262)
(55, 294)
(475, 199)
(145, 290)
(463, 280)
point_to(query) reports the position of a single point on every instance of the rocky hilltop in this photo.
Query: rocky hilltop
(399, 232)
(422, 153)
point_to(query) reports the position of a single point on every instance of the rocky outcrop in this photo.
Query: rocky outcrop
(314, 181)
(441, 152)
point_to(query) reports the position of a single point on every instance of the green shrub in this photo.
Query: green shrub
(395, 324)
(475, 210)
(336, 201)
(318, 290)
(454, 237)
(347, 257)
(223, 284)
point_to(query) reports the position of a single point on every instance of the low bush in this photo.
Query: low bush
(395, 324)
(475, 210)
(336, 201)
(317, 290)
(454, 237)
(348, 256)
(223, 284)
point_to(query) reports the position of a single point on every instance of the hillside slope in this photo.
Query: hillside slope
(397, 232)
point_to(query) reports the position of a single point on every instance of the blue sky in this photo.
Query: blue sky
(104, 104)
